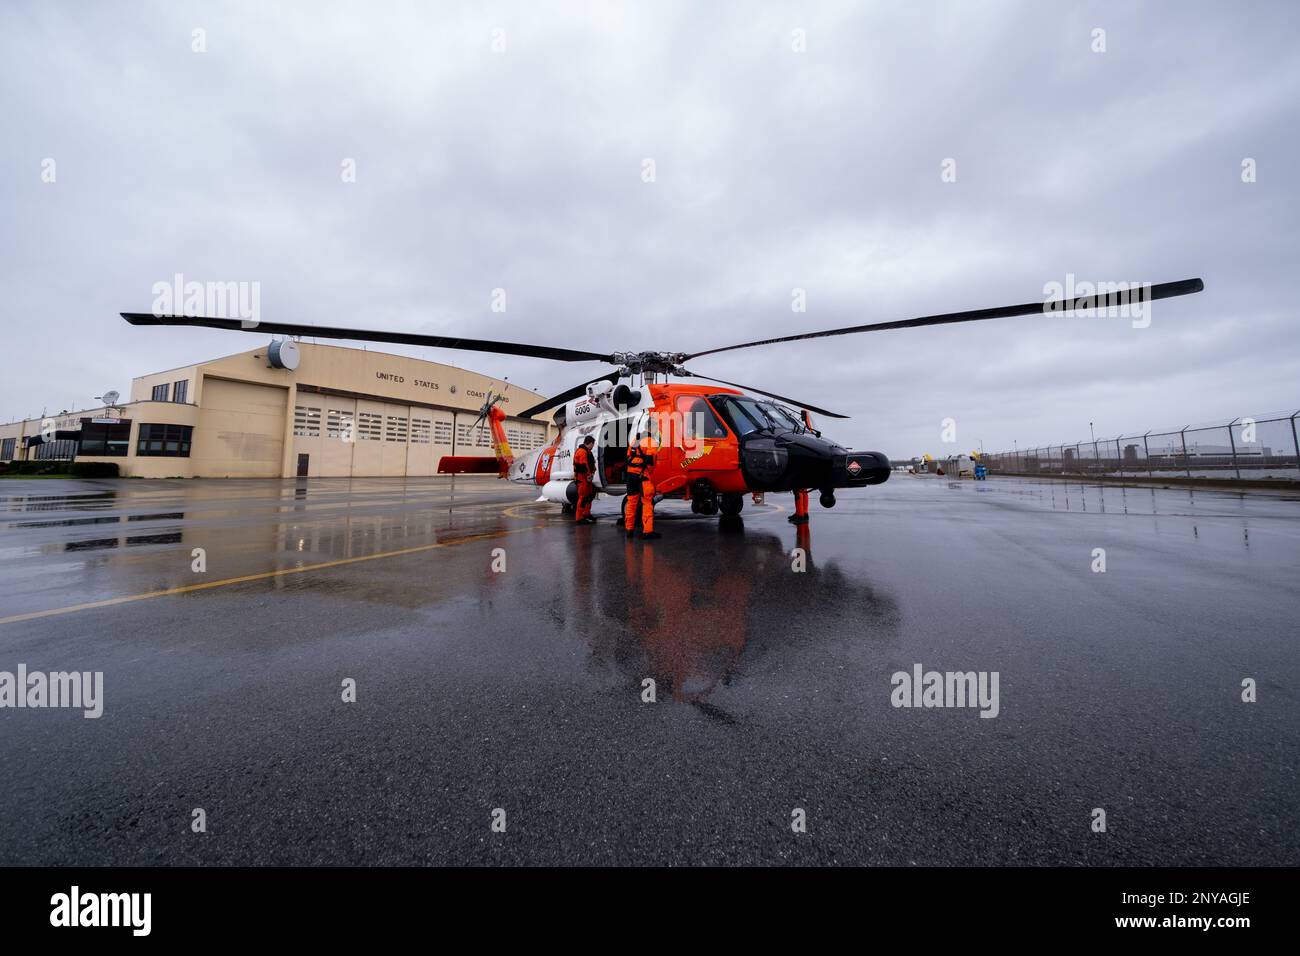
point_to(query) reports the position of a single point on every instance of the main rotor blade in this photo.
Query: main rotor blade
(566, 395)
(779, 398)
(369, 335)
(1164, 290)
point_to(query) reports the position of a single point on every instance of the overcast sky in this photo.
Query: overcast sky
(522, 169)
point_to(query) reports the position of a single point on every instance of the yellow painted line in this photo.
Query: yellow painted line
(262, 576)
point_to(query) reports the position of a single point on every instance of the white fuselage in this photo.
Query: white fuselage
(593, 415)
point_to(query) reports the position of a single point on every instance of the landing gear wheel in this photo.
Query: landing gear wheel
(623, 512)
(566, 509)
(731, 504)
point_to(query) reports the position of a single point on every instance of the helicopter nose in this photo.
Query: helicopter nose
(860, 468)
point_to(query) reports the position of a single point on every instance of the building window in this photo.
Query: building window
(306, 422)
(160, 392)
(421, 430)
(110, 439)
(164, 441)
(370, 427)
(481, 436)
(442, 433)
(339, 425)
(7, 449)
(522, 438)
(396, 429)
(181, 391)
(62, 449)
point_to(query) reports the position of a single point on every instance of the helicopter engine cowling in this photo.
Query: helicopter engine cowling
(623, 397)
(582, 410)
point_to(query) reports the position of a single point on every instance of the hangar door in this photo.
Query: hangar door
(240, 433)
(525, 437)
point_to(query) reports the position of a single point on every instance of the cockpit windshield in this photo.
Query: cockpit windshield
(748, 415)
(785, 416)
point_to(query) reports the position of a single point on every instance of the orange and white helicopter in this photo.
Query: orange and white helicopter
(717, 444)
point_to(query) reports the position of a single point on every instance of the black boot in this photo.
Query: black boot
(650, 535)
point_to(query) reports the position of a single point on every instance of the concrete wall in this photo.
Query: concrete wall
(142, 388)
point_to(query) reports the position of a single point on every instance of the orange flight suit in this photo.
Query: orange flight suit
(800, 515)
(584, 469)
(640, 490)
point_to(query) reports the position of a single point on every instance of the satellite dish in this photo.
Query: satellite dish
(109, 398)
(283, 353)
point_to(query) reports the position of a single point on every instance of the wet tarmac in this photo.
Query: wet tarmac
(522, 689)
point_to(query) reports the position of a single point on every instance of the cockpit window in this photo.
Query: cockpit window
(749, 415)
(784, 416)
(697, 419)
(743, 415)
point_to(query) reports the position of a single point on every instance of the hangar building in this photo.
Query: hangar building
(283, 410)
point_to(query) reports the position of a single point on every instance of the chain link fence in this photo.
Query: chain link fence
(1263, 448)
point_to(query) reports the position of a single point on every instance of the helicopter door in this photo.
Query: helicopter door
(611, 450)
(700, 439)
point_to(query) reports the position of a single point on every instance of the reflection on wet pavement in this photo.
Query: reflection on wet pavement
(252, 526)
(769, 649)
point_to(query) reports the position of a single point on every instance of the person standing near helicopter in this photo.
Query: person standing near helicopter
(640, 489)
(800, 516)
(584, 472)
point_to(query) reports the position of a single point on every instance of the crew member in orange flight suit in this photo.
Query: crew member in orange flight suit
(800, 515)
(640, 490)
(584, 469)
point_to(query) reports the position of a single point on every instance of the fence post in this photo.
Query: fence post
(1146, 451)
(1187, 463)
(1232, 443)
(1295, 441)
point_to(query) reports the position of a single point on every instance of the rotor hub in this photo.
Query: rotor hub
(667, 363)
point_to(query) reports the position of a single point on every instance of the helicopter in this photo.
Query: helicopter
(717, 444)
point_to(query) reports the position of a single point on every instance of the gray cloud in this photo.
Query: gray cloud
(775, 170)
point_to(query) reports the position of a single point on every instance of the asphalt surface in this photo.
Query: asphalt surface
(522, 689)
